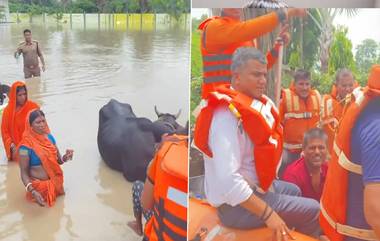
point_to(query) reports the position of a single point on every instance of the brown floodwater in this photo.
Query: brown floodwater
(85, 68)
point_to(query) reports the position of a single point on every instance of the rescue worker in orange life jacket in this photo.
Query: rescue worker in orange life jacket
(165, 191)
(334, 103)
(299, 112)
(221, 36)
(241, 159)
(350, 206)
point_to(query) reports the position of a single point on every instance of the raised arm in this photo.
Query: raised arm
(220, 35)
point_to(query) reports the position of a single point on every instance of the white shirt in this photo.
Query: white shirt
(231, 170)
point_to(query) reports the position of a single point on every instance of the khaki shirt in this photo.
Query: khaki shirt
(30, 52)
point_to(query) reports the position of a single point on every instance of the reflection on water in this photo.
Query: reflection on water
(85, 68)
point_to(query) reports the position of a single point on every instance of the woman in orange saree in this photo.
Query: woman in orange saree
(14, 116)
(40, 161)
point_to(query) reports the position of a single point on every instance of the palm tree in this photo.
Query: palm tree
(324, 19)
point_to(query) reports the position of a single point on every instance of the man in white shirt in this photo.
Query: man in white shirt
(231, 181)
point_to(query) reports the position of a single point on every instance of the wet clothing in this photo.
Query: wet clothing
(365, 151)
(13, 122)
(298, 174)
(137, 189)
(48, 154)
(31, 72)
(34, 160)
(30, 52)
(285, 199)
(221, 36)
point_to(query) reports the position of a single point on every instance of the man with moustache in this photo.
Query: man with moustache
(299, 112)
(31, 52)
(309, 172)
(240, 135)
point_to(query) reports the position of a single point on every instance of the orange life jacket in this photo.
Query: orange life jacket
(298, 116)
(331, 113)
(169, 222)
(334, 198)
(217, 66)
(260, 121)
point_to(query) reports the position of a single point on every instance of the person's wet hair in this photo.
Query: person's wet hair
(314, 133)
(34, 115)
(27, 31)
(19, 88)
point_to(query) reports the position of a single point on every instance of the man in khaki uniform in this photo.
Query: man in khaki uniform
(30, 50)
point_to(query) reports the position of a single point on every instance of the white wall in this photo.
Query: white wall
(5, 4)
(295, 3)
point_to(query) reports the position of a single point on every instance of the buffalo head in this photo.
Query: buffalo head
(168, 122)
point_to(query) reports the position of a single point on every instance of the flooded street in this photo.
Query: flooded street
(85, 69)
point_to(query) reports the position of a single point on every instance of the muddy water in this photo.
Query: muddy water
(85, 68)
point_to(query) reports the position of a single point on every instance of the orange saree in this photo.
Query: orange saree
(13, 121)
(47, 152)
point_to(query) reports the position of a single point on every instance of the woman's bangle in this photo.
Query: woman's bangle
(27, 186)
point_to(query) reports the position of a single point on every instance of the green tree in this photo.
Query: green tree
(100, 4)
(367, 54)
(173, 7)
(302, 52)
(133, 6)
(88, 6)
(324, 19)
(341, 52)
(117, 6)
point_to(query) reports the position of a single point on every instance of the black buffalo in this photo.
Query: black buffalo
(127, 143)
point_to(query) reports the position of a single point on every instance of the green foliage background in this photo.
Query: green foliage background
(172, 7)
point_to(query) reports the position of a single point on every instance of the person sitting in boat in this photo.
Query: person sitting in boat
(14, 116)
(309, 172)
(40, 161)
(163, 196)
(241, 158)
